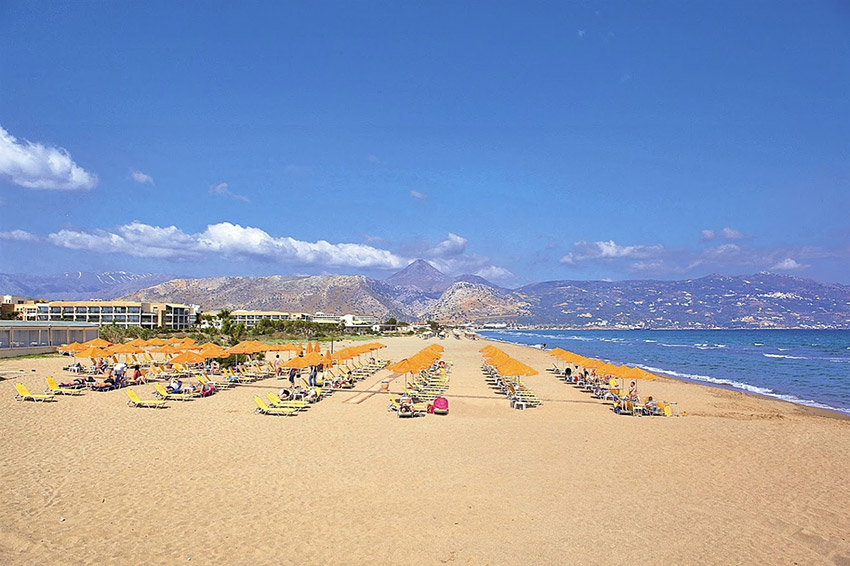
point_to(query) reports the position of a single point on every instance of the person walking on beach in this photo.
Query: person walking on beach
(276, 365)
(292, 373)
(312, 378)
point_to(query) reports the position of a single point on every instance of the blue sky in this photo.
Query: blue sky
(520, 141)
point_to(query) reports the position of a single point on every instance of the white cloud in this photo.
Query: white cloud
(225, 239)
(453, 245)
(141, 178)
(731, 234)
(788, 264)
(707, 235)
(35, 166)
(418, 195)
(135, 239)
(593, 251)
(221, 189)
(494, 273)
(18, 236)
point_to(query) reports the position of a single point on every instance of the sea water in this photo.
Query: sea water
(809, 367)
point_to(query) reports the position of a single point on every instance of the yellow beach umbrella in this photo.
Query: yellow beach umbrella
(97, 343)
(72, 347)
(125, 349)
(188, 358)
(92, 353)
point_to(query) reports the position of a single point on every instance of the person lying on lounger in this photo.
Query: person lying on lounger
(78, 383)
(175, 386)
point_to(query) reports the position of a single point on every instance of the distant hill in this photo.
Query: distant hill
(78, 285)
(763, 300)
(421, 292)
(425, 277)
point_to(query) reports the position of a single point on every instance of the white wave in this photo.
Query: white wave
(653, 341)
(746, 387)
(675, 345)
(783, 356)
(757, 344)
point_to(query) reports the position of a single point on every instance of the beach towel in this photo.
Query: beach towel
(441, 406)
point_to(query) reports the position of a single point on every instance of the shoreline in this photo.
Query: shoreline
(827, 411)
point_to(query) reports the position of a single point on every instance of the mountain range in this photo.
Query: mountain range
(78, 285)
(421, 292)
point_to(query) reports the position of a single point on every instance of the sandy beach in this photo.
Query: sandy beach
(740, 480)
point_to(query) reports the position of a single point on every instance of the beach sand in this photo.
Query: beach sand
(740, 480)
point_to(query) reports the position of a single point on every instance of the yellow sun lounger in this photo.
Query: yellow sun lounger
(54, 389)
(135, 401)
(276, 402)
(25, 395)
(163, 394)
(263, 409)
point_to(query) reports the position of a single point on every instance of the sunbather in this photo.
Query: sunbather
(175, 386)
(632, 395)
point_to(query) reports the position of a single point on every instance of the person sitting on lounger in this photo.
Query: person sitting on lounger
(405, 404)
(285, 394)
(137, 375)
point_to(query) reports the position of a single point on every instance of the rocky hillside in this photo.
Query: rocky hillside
(332, 294)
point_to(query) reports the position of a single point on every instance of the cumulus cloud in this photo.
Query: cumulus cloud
(453, 245)
(417, 195)
(584, 251)
(18, 236)
(726, 233)
(36, 166)
(731, 234)
(224, 239)
(494, 273)
(141, 178)
(788, 264)
(222, 189)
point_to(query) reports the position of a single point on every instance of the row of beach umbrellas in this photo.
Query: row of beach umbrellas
(187, 351)
(602, 368)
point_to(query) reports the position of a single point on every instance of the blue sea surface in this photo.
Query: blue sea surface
(809, 367)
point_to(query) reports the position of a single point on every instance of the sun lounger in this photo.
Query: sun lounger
(277, 402)
(24, 394)
(264, 409)
(135, 401)
(53, 388)
(163, 394)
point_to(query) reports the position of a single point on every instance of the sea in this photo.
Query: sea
(808, 367)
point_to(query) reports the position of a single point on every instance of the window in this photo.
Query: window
(107, 310)
(81, 310)
(94, 309)
(134, 309)
(55, 310)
